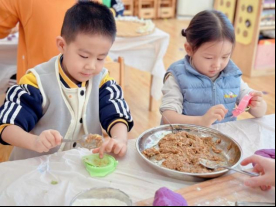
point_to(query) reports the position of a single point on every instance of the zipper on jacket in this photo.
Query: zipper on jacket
(214, 94)
(214, 84)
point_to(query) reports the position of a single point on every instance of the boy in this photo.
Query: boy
(71, 95)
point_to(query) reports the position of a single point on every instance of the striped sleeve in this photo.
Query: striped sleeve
(22, 107)
(113, 107)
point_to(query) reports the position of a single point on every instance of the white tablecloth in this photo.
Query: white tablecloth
(145, 53)
(8, 61)
(28, 182)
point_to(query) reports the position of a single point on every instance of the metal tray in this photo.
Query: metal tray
(231, 150)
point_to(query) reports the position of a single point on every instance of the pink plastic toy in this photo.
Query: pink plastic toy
(243, 106)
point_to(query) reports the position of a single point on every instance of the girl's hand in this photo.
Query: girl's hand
(257, 99)
(110, 145)
(47, 140)
(216, 113)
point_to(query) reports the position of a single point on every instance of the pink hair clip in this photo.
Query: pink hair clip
(243, 106)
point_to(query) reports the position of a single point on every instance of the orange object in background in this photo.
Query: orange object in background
(265, 57)
(40, 24)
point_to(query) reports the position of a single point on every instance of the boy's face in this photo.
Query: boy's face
(84, 57)
(212, 57)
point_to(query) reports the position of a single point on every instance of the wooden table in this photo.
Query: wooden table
(28, 182)
(224, 191)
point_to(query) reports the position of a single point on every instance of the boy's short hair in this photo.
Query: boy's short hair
(90, 18)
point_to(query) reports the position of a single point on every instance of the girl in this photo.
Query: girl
(206, 85)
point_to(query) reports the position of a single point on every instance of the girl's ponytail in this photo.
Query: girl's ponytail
(183, 32)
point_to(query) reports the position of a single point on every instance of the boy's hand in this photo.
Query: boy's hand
(257, 99)
(216, 113)
(47, 140)
(110, 145)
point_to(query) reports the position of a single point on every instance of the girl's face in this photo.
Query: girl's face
(211, 58)
(84, 57)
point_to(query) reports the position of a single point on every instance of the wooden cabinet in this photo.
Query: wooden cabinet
(155, 9)
(253, 56)
(129, 7)
(166, 9)
(228, 7)
(146, 9)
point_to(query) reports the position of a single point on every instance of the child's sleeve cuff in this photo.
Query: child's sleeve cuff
(116, 122)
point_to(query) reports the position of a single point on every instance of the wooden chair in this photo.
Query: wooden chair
(117, 70)
(5, 151)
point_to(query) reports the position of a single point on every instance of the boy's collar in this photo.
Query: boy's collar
(68, 82)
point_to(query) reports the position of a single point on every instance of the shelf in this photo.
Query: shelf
(269, 27)
(269, 6)
(258, 57)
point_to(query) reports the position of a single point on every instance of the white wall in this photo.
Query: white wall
(188, 8)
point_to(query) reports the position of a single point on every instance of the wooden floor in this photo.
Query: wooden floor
(137, 86)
